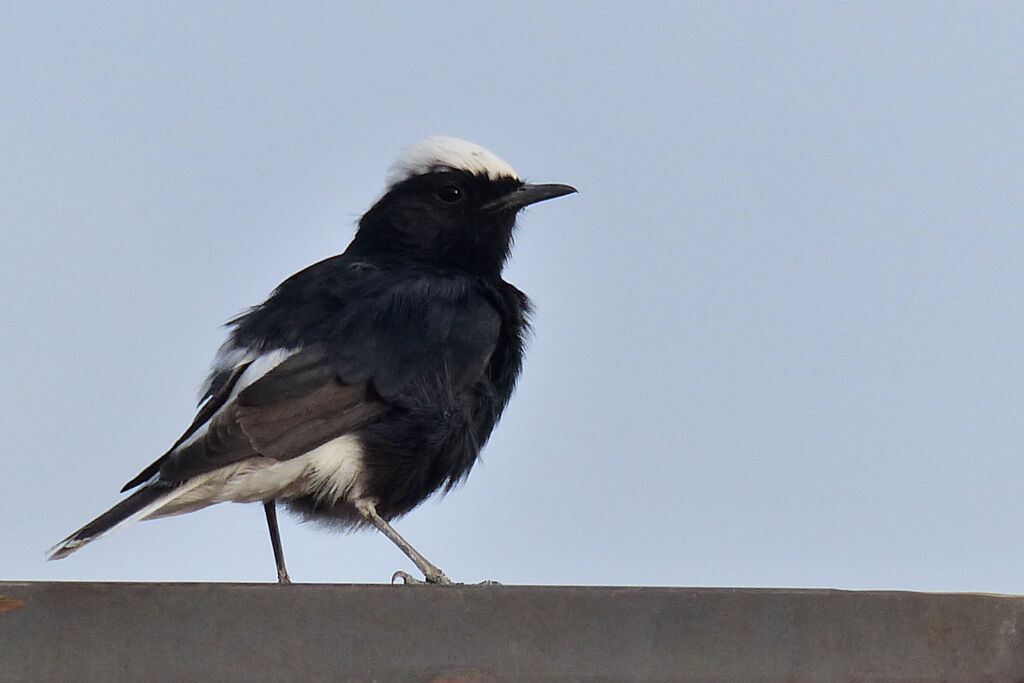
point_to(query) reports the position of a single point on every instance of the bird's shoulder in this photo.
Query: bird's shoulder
(328, 298)
(388, 322)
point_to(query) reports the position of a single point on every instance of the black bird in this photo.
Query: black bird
(370, 380)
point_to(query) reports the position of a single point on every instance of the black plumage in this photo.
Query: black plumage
(372, 379)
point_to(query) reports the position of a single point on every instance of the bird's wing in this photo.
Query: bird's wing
(296, 406)
(214, 402)
(408, 345)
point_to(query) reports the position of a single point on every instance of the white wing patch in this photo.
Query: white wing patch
(260, 365)
(227, 359)
(439, 153)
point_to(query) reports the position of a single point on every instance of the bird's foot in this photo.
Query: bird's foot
(440, 579)
(282, 577)
(434, 578)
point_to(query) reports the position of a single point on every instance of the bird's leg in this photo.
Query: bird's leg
(270, 508)
(431, 573)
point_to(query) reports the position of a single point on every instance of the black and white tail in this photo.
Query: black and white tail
(139, 505)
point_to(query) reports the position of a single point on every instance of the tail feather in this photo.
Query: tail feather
(136, 506)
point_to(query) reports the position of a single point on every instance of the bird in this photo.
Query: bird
(369, 381)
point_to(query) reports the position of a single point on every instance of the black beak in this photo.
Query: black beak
(524, 195)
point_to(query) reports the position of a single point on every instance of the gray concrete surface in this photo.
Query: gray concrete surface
(253, 632)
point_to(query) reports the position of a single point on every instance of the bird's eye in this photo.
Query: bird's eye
(449, 194)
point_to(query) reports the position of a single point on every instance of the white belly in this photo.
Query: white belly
(331, 472)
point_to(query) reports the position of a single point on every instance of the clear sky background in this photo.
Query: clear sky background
(778, 332)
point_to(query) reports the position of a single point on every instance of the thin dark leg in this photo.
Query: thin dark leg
(275, 540)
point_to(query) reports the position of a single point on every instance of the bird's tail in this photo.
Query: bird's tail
(143, 503)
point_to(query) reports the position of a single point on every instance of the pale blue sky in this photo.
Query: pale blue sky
(778, 332)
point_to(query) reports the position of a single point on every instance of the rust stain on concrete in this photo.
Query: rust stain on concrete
(9, 604)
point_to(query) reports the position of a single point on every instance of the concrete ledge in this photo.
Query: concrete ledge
(256, 632)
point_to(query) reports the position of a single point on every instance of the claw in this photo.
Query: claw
(438, 579)
(407, 578)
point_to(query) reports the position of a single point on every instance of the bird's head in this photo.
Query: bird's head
(450, 203)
